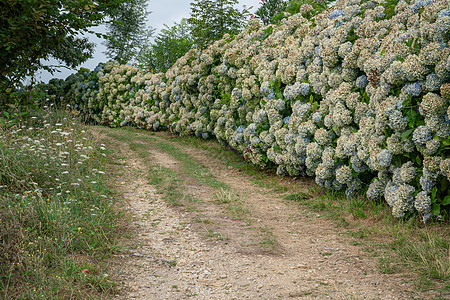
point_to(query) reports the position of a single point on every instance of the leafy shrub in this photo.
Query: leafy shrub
(270, 8)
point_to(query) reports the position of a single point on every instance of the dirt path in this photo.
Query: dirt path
(273, 250)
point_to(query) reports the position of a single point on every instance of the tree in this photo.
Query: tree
(35, 30)
(126, 31)
(211, 19)
(269, 9)
(169, 45)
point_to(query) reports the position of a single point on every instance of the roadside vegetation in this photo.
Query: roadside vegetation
(58, 220)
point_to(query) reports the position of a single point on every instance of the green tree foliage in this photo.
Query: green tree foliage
(127, 32)
(294, 7)
(169, 45)
(269, 9)
(36, 30)
(211, 19)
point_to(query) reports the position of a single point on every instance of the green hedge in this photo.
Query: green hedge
(357, 96)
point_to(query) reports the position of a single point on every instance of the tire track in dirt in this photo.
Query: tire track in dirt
(171, 258)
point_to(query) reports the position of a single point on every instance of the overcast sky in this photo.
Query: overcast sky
(162, 12)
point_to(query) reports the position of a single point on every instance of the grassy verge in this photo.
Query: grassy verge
(57, 220)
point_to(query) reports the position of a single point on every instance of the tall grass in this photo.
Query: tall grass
(429, 255)
(56, 216)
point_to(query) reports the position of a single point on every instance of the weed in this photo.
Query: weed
(268, 242)
(216, 235)
(235, 203)
(268, 239)
(297, 197)
(237, 211)
(172, 263)
(445, 288)
(223, 196)
(320, 204)
(204, 221)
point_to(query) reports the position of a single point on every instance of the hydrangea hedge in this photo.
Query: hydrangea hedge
(357, 96)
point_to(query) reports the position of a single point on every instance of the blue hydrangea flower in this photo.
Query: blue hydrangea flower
(202, 110)
(444, 13)
(376, 190)
(396, 121)
(337, 185)
(223, 69)
(419, 4)
(251, 128)
(384, 158)
(337, 13)
(390, 193)
(422, 203)
(361, 81)
(280, 105)
(426, 183)
(413, 89)
(317, 50)
(240, 129)
(433, 82)
(265, 88)
(304, 89)
(289, 138)
(271, 96)
(421, 135)
(286, 120)
(236, 93)
(316, 117)
(239, 138)
(357, 164)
